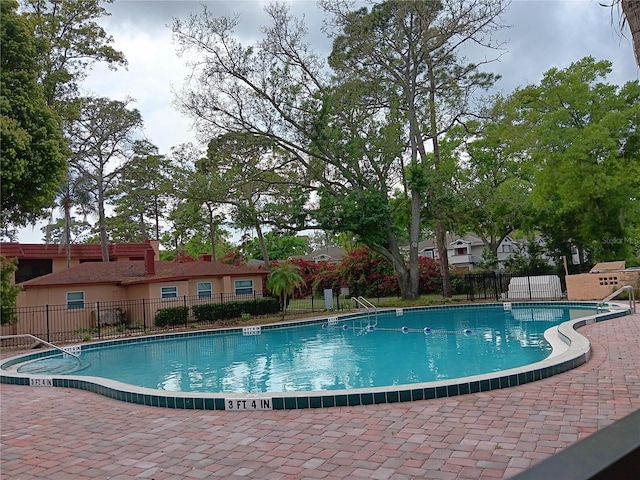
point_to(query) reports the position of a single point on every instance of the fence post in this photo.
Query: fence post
(48, 332)
(186, 316)
(144, 315)
(98, 319)
(529, 284)
(312, 309)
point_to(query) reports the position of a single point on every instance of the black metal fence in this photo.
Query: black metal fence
(510, 286)
(125, 318)
(74, 323)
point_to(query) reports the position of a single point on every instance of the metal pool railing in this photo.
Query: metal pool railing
(632, 300)
(28, 335)
(368, 306)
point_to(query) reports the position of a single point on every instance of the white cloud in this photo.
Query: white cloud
(153, 73)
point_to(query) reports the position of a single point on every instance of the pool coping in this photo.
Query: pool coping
(570, 350)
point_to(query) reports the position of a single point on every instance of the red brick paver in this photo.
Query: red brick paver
(57, 433)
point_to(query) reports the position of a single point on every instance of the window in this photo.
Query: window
(75, 300)
(244, 287)
(204, 290)
(169, 292)
(28, 269)
(506, 248)
(461, 251)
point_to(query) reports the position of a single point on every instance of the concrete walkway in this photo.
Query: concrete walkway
(57, 433)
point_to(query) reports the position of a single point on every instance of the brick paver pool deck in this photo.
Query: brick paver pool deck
(59, 433)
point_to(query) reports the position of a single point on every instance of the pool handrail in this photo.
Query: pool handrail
(5, 337)
(632, 301)
(367, 305)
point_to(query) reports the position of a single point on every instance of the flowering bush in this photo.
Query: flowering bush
(429, 275)
(329, 275)
(364, 272)
(308, 269)
(233, 257)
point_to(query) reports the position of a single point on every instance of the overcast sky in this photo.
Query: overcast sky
(542, 34)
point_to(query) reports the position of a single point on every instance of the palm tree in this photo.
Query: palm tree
(282, 282)
(73, 193)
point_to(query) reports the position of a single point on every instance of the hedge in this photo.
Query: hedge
(171, 316)
(211, 312)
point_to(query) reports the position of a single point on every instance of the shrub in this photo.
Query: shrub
(328, 276)
(210, 312)
(458, 283)
(171, 316)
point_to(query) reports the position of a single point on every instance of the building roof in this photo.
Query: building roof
(608, 267)
(82, 251)
(453, 240)
(133, 272)
(324, 254)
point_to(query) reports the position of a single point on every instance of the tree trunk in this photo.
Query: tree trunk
(441, 230)
(408, 288)
(414, 237)
(67, 232)
(156, 214)
(143, 229)
(212, 233)
(263, 246)
(631, 10)
(102, 222)
(213, 243)
(441, 243)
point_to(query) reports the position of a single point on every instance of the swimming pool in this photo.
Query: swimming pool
(395, 355)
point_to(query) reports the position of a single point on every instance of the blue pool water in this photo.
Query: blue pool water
(458, 342)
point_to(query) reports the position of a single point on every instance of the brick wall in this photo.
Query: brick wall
(596, 286)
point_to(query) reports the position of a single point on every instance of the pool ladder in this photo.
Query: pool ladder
(368, 306)
(632, 301)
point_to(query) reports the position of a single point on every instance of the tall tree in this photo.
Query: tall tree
(200, 194)
(493, 185)
(279, 246)
(247, 172)
(102, 138)
(185, 219)
(74, 193)
(280, 89)
(142, 192)
(414, 49)
(59, 230)
(70, 41)
(582, 138)
(32, 151)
